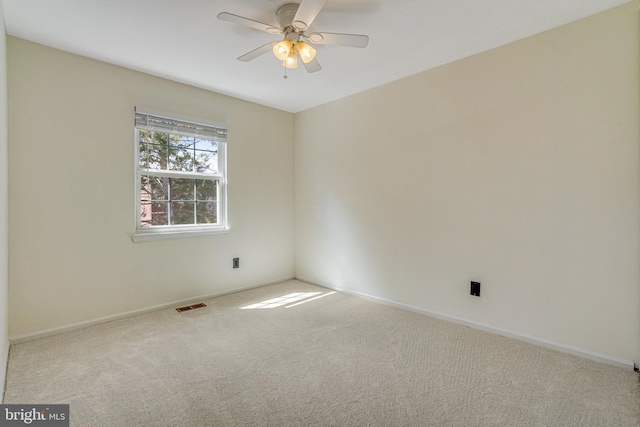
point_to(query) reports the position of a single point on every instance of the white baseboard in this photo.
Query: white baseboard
(565, 348)
(57, 330)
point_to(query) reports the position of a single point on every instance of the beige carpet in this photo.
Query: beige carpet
(337, 360)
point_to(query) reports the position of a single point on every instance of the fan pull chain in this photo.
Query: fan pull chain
(285, 73)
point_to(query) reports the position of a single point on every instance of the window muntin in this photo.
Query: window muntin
(180, 177)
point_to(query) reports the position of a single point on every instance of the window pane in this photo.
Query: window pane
(206, 190)
(153, 149)
(182, 189)
(145, 189)
(153, 156)
(182, 141)
(182, 213)
(159, 138)
(159, 188)
(206, 144)
(153, 214)
(206, 161)
(143, 141)
(207, 212)
(153, 188)
(159, 213)
(180, 160)
(145, 214)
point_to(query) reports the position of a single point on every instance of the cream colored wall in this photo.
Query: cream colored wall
(71, 192)
(517, 167)
(4, 303)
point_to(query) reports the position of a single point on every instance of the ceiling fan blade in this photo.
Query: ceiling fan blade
(338, 39)
(312, 66)
(230, 17)
(307, 12)
(249, 56)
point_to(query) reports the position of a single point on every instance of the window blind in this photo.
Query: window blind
(157, 123)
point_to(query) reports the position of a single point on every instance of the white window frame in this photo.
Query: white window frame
(145, 234)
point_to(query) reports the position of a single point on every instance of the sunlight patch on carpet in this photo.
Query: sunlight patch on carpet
(311, 299)
(289, 300)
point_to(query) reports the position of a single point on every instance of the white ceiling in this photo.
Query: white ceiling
(183, 41)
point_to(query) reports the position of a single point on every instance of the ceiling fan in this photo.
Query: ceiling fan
(293, 20)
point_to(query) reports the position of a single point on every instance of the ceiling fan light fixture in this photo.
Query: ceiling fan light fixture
(294, 19)
(292, 60)
(307, 53)
(283, 49)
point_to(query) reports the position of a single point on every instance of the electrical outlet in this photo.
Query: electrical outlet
(475, 289)
(236, 263)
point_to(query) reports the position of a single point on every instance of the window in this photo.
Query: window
(180, 177)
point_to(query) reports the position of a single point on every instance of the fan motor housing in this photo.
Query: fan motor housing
(285, 14)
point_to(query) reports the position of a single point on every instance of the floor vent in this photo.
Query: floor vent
(190, 307)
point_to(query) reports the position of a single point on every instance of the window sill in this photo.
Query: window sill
(152, 235)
